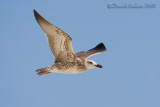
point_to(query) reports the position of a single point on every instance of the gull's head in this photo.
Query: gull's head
(91, 64)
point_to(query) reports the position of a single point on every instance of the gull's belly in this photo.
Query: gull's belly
(68, 70)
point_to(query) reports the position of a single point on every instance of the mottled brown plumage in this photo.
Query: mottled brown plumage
(60, 43)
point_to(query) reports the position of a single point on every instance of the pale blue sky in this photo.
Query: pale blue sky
(131, 73)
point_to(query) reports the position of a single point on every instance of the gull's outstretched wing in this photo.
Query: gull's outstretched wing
(98, 49)
(60, 43)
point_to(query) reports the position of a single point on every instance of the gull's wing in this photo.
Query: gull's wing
(60, 43)
(98, 49)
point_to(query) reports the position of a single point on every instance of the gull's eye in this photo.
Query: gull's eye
(90, 62)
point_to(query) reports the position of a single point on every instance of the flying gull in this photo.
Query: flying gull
(66, 60)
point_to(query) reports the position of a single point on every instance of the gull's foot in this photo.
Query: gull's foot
(42, 71)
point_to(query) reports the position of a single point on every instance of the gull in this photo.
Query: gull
(66, 60)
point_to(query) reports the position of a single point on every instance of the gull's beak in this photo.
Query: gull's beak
(99, 66)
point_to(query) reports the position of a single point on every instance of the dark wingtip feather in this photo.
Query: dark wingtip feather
(34, 11)
(99, 47)
(36, 14)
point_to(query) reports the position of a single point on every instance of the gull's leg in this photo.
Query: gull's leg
(43, 71)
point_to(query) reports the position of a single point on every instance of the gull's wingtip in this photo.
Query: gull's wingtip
(35, 12)
(38, 17)
(100, 47)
